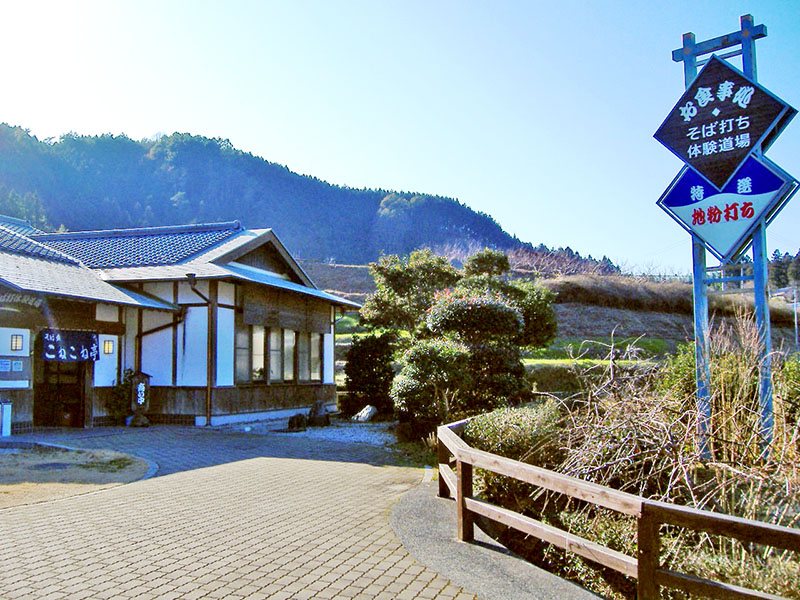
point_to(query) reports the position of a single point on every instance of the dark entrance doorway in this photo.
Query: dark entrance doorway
(59, 394)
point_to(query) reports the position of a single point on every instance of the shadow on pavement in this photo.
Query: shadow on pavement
(178, 448)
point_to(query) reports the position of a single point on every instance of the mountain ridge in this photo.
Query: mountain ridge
(81, 182)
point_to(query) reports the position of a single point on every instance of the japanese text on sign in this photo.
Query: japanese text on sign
(717, 130)
(69, 346)
(720, 120)
(731, 212)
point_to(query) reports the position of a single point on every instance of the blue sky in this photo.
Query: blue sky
(540, 114)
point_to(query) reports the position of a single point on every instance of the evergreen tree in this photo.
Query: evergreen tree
(793, 272)
(778, 270)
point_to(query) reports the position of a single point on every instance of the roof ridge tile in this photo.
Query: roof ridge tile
(146, 246)
(142, 231)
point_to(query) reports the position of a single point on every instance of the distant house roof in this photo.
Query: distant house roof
(145, 246)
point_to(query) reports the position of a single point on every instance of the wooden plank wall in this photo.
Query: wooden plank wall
(277, 308)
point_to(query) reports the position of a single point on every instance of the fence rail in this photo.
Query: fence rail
(646, 567)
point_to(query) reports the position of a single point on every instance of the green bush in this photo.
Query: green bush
(443, 380)
(527, 433)
(433, 375)
(369, 373)
(487, 262)
(563, 379)
(473, 318)
(530, 434)
(787, 388)
(118, 403)
(533, 301)
(499, 376)
(536, 306)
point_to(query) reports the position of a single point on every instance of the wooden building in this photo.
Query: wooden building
(222, 319)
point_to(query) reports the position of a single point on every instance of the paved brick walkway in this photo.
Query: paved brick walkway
(227, 516)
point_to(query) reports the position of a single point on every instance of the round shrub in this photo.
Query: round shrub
(533, 301)
(428, 386)
(536, 306)
(487, 262)
(474, 318)
(499, 376)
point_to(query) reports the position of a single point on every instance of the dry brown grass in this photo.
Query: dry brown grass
(640, 437)
(44, 474)
(640, 294)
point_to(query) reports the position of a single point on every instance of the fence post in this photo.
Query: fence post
(443, 458)
(649, 547)
(466, 530)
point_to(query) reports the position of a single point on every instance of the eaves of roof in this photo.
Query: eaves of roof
(18, 225)
(39, 276)
(240, 245)
(254, 276)
(204, 270)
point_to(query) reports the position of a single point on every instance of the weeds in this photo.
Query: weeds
(637, 431)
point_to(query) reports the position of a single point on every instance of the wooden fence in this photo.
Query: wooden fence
(646, 568)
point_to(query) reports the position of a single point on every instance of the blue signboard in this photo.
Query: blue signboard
(69, 346)
(724, 219)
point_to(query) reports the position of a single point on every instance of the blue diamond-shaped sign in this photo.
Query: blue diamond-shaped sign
(724, 220)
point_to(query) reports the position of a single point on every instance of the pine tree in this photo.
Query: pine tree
(793, 272)
(778, 267)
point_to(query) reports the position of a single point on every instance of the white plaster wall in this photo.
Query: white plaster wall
(5, 350)
(187, 296)
(107, 312)
(327, 358)
(128, 348)
(157, 347)
(328, 343)
(160, 289)
(192, 347)
(105, 368)
(225, 346)
(226, 293)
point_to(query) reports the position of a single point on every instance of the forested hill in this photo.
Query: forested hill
(99, 182)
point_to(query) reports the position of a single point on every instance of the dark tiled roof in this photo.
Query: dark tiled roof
(14, 242)
(146, 246)
(18, 225)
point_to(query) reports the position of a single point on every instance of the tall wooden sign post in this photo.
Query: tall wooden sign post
(728, 192)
